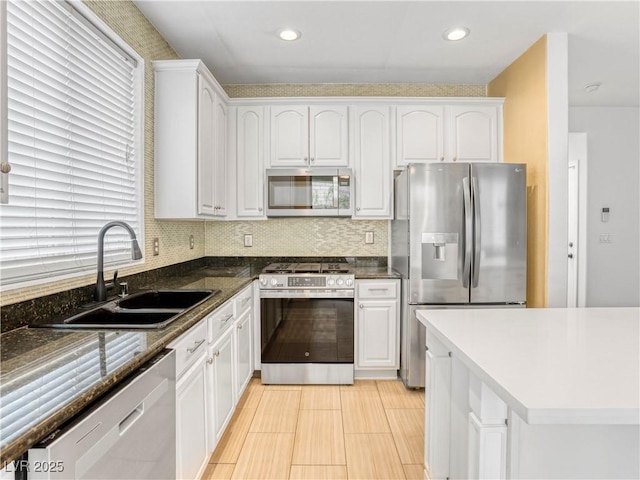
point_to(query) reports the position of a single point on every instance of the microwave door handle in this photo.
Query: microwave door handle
(336, 187)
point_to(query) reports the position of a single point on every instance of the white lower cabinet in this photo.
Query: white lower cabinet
(221, 394)
(214, 364)
(191, 398)
(377, 328)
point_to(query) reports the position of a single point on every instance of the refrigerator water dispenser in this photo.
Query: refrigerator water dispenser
(440, 256)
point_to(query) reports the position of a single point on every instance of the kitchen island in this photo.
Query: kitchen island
(532, 393)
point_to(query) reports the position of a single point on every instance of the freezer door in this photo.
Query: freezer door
(439, 233)
(499, 267)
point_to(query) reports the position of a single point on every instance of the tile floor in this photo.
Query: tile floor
(370, 430)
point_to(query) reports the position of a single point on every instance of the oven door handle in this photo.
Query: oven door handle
(301, 293)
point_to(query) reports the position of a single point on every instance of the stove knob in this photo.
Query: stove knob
(330, 281)
(274, 282)
(263, 282)
(348, 282)
(340, 281)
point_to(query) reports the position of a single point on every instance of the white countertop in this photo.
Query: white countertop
(552, 366)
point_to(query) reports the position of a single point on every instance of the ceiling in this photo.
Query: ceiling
(401, 42)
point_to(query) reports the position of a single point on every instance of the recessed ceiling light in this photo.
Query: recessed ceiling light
(289, 34)
(592, 87)
(456, 33)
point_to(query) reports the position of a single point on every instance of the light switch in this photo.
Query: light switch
(192, 242)
(156, 246)
(368, 237)
(248, 240)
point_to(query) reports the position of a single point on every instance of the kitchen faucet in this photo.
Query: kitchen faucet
(100, 292)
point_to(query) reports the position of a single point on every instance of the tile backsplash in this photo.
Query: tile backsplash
(297, 237)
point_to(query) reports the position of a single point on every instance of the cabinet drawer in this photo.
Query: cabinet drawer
(243, 301)
(220, 320)
(189, 347)
(377, 289)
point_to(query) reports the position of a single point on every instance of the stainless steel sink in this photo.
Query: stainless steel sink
(148, 309)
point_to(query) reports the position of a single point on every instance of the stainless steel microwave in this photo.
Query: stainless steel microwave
(324, 192)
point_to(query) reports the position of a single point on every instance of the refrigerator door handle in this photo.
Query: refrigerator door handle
(477, 240)
(468, 231)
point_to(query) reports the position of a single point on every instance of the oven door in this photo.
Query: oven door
(307, 336)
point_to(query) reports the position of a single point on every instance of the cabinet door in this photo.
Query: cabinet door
(289, 136)
(420, 135)
(220, 161)
(221, 390)
(250, 162)
(473, 133)
(329, 136)
(372, 162)
(377, 334)
(191, 420)
(206, 146)
(244, 364)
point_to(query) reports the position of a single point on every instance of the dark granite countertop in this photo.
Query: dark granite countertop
(48, 375)
(35, 398)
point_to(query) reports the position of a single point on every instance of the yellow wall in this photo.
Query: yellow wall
(524, 86)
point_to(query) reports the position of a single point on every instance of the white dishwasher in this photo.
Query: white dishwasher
(130, 434)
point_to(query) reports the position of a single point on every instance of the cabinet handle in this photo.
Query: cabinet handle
(259, 209)
(196, 346)
(216, 354)
(357, 209)
(210, 360)
(239, 327)
(455, 158)
(361, 306)
(313, 159)
(226, 319)
(306, 159)
(245, 300)
(442, 159)
(378, 289)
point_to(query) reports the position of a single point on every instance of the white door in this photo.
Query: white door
(577, 221)
(376, 325)
(244, 365)
(329, 136)
(206, 147)
(191, 432)
(420, 136)
(250, 162)
(289, 136)
(372, 162)
(473, 134)
(222, 387)
(572, 236)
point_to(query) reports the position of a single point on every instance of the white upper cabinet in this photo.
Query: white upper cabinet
(474, 133)
(329, 136)
(190, 141)
(303, 136)
(420, 136)
(250, 162)
(449, 133)
(372, 162)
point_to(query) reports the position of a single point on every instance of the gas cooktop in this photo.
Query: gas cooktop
(330, 268)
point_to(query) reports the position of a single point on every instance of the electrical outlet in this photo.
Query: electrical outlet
(605, 238)
(156, 246)
(248, 240)
(368, 237)
(192, 242)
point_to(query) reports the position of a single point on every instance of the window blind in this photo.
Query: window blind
(73, 115)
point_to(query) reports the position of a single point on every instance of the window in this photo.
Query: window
(74, 121)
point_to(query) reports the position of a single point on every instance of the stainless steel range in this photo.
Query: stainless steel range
(307, 323)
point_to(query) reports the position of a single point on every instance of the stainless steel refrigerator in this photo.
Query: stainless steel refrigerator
(459, 239)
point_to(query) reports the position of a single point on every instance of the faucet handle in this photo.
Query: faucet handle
(115, 278)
